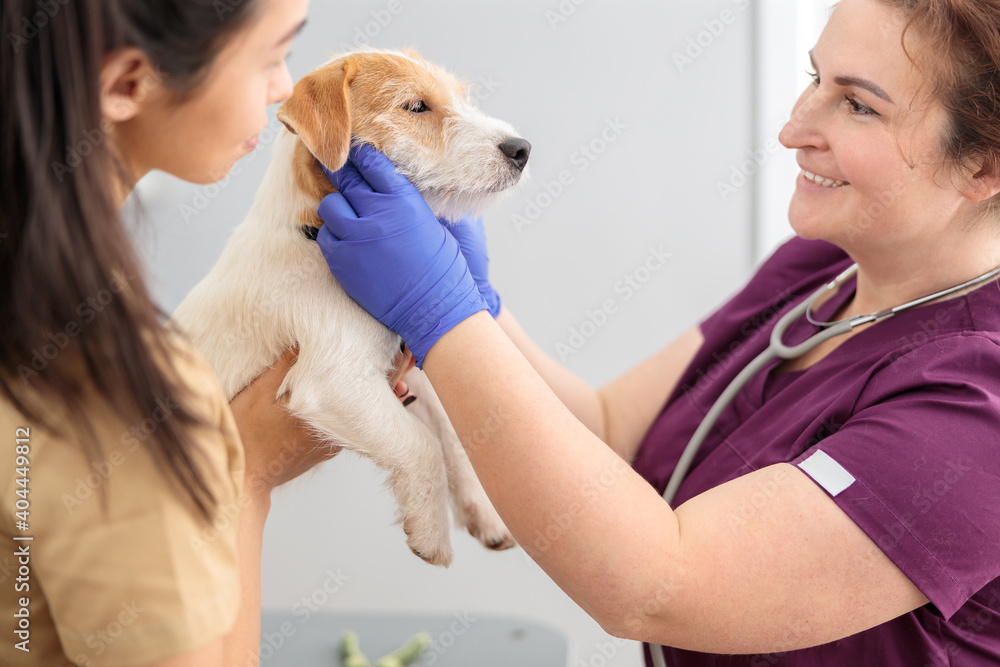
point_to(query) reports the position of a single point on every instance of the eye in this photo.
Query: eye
(860, 109)
(417, 107)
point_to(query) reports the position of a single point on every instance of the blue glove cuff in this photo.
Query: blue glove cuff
(421, 319)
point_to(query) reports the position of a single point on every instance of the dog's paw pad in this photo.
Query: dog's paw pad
(500, 543)
(440, 557)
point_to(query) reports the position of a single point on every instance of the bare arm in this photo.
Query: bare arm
(278, 448)
(688, 578)
(206, 656)
(622, 411)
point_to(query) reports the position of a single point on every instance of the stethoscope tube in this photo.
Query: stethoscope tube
(777, 348)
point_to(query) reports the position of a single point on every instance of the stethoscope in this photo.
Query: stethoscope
(777, 349)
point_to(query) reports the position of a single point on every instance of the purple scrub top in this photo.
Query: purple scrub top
(909, 408)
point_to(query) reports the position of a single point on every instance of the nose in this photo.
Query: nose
(803, 126)
(518, 151)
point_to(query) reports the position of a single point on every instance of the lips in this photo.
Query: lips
(252, 143)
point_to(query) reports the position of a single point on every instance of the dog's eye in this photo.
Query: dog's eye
(417, 107)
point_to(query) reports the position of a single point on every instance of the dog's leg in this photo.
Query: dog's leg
(351, 405)
(470, 503)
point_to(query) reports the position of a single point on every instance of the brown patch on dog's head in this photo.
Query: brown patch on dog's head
(395, 101)
(319, 111)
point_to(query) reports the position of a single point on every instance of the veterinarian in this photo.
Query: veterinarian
(133, 497)
(843, 508)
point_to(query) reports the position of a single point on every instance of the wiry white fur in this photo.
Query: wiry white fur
(271, 290)
(451, 188)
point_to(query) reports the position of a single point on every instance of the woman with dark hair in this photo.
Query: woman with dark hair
(843, 508)
(135, 496)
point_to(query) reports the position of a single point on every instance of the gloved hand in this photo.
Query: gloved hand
(471, 238)
(391, 255)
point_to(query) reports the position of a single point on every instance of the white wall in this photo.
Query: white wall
(786, 31)
(679, 78)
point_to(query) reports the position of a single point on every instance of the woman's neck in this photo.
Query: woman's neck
(897, 277)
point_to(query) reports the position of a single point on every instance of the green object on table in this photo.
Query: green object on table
(351, 650)
(409, 652)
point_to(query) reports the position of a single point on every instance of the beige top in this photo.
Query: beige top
(145, 581)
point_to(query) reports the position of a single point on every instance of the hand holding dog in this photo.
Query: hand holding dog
(391, 255)
(278, 446)
(471, 236)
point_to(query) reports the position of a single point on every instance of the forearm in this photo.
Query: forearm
(242, 645)
(579, 397)
(598, 529)
(622, 411)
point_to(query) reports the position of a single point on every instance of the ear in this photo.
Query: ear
(319, 111)
(978, 179)
(127, 77)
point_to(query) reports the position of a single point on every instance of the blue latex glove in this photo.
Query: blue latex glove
(471, 237)
(391, 255)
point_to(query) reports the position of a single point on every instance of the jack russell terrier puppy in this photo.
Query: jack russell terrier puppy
(272, 290)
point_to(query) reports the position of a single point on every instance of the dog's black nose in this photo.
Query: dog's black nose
(518, 151)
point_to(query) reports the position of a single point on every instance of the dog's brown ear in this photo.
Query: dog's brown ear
(319, 111)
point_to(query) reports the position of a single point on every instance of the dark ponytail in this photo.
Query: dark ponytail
(71, 283)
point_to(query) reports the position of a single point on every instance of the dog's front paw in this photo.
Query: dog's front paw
(428, 542)
(484, 524)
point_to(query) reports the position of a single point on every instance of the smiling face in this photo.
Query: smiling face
(869, 141)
